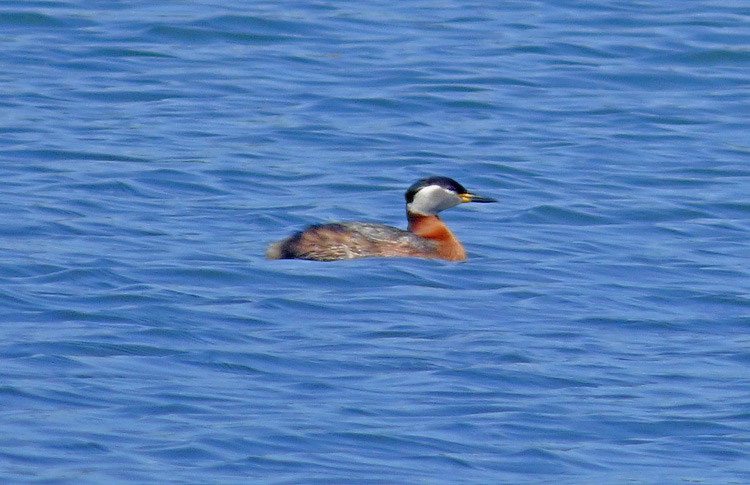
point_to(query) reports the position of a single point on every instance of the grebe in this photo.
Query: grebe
(426, 237)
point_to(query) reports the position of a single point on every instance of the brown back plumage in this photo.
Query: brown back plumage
(349, 240)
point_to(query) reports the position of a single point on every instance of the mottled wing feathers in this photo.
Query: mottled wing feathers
(349, 240)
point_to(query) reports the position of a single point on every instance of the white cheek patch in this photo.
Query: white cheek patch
(433, 199)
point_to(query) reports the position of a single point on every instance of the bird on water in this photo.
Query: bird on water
(426, 235)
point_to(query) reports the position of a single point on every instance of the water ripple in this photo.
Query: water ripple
(596, 332)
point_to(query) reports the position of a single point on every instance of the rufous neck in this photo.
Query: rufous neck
(431, 227)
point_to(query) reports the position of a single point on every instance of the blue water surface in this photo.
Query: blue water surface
(599, 331)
